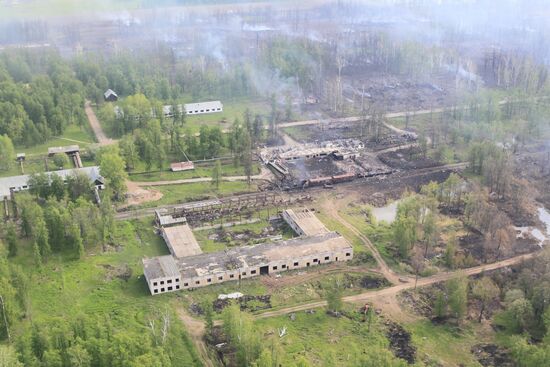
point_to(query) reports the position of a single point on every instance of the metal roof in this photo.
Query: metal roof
(19, 183)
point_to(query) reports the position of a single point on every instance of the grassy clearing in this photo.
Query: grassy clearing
(73, 135)
(326, 341)
(174, 194)
(65, 288)
(445, 344)
(36, 164)
(206, 171)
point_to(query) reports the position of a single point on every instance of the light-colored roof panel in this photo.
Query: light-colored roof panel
(307, 221)
(181, 241)
(203, 106)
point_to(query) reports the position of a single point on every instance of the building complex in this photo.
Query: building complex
(188, 268)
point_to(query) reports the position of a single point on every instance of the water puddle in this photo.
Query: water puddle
(536, 233)
(386, 213)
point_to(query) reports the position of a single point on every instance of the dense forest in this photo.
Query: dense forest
(39, 96)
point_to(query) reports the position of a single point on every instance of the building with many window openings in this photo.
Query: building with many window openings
(315, 246)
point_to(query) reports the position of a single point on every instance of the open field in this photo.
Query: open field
(174, 194)
(199, 171)
(328, 341)
(73, 134)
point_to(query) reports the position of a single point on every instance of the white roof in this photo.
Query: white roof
(109, 92)
(17, 182)
(203, 105)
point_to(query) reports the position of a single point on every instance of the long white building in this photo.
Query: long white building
(203, 107)
(21, 183)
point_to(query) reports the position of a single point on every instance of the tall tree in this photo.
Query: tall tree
(111, 166)
(7, 153)
(11, 239)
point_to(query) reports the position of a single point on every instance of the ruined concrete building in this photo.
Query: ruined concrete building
(188, 268)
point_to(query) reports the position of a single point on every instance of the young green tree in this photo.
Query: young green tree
(61, 160)
(457, 293)
(11, 239)
(217, 174)
(334, 297)
(9, 357)
(485, 291)
(440, 305)
(239, 329)
(7, 153)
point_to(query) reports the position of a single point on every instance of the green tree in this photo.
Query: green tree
(440, 305)
(128, 150)
(79, 185)
(61, 160)
(217, 174)
(9, 357)
(334, 297)
(239, 329)
(485, 291)
(7, 152)
(41, 237)
(57, 187)
(11, 239)
(79, 356)
(457, 292)
(111, 167)
(450, 253)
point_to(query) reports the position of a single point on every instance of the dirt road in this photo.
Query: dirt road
(388, 116)
(100, 136)
(373, 295)
(330, 207)
(196, 330)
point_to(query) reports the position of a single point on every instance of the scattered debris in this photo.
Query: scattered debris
(234, 295)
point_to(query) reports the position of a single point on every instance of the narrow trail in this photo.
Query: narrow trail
(423, 282)
(196, 329)
(331, 208)
(100, 136)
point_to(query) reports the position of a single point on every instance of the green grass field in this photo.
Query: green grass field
(174, 194)
(327, 341)
(202, 171)
(73, 134)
